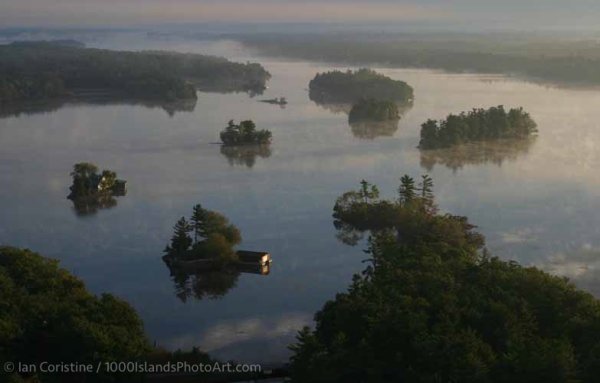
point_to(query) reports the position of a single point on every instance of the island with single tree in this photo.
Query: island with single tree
(352, 86)
(33, 71)
(92, 190)
(432, 305)
(374, 110)
(244, 133)
(477, 125)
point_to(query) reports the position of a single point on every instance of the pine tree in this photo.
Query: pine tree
(198, 221)
(426, 189)
(180, 241)
(407, 190)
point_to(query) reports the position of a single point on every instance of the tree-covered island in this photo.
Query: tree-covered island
(92, 190)
(31, 71)
(207, 235)
(374, 110)
(477, 125)
(433, 306)
(352, 86)
(244, 133)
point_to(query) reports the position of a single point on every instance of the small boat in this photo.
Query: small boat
(276, 101)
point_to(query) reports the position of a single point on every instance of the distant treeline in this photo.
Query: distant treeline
(573, 62)
(352, 86)
(46, 70)
(477, 125)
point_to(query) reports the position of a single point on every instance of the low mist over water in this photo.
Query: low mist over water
(536, 202)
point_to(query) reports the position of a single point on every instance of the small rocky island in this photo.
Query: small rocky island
(477, 125)
(92, 190)
(352, 86)
(206, 242)
(374, 110)
(244, 134)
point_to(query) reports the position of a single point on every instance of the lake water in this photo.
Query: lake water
(537, 203)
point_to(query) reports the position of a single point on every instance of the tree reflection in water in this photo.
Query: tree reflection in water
(212, 283)
(90, 205)
(245, 155)
(372, 129)
(48, 106)
(367, 129)
(477, 153)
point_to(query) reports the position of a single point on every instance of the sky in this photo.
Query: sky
(122, 13)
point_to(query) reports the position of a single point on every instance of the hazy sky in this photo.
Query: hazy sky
(550, 13)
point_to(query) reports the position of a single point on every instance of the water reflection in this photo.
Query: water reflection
(91, 205)
(48, 106)
(372, 129)
(477, 153)
(245, 155)
(209, 283)
(366, 129)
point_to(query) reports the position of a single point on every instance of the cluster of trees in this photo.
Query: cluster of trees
(353, 86)
(87, 182)
(477, 125)
(47, 315)
(433, 306)
(566, 61)
(244, 134)
(45, 70)
(374, 110)
(207, 235)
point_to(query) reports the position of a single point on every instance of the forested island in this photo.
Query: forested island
(202, 259)
(540, 58)
(206, 235)
(374, 110)
(352, 86)
(477, 125)
(433, 305)
(244, 133)
(32, 71)
(92, 190)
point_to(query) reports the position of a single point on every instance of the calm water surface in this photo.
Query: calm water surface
(537, 202)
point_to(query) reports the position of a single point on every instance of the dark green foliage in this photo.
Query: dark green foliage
(351, 87)
(432, 307)
(213, 238)
(35, 71)
(357, 212)
(88, 184)
(477, 125)
(374, 110)
(46, 314)
(244, 134)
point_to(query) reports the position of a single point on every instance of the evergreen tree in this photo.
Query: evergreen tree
(426, 189)
(198, 221)
(407, 190)
(180, 241)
